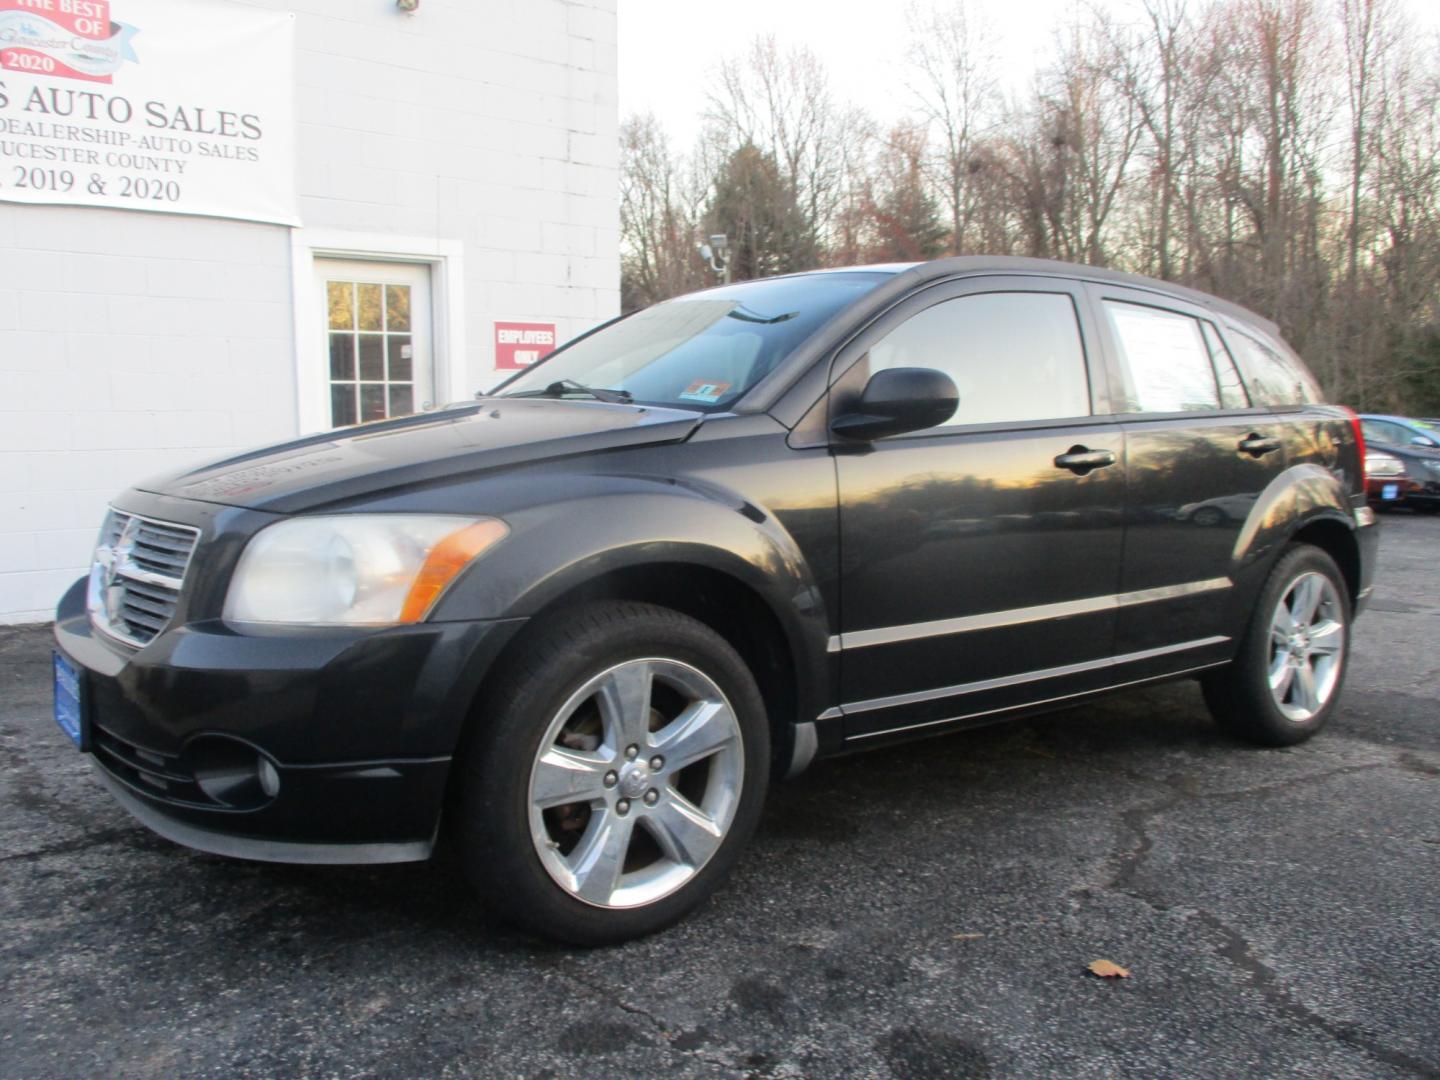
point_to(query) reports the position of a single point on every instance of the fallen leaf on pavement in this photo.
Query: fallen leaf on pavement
(966, 937)
(1108, 969)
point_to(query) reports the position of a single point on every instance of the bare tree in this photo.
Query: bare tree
(1283, 153)
(657, 218)
(953, 62)
(780, 102)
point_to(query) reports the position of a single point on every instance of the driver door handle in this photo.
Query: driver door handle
(1258, 445)
(1080, 460)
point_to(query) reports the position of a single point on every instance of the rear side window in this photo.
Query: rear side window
(1014, 356)
(1165, 363)
(1274, 379)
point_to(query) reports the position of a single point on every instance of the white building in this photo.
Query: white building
(451, 197)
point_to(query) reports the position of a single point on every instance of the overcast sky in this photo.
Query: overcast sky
(668, 48)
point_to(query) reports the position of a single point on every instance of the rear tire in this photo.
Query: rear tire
(1286, 678)
(618, 769)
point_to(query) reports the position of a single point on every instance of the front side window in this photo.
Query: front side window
(1419, 429)
(1382, 431)
(1014, 356)
(697, 352)
(1165, 362)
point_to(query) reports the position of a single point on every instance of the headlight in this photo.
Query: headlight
(1383, 465)
(1433, 466)
(354, 569)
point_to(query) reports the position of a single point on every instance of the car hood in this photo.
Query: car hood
(323, 469)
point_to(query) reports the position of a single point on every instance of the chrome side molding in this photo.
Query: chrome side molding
(994, 620)
(1038, 675)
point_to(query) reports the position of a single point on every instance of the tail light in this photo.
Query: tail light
(1356, 427)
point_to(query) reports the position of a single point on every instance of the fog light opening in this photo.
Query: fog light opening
(232, 773)
(269, 777)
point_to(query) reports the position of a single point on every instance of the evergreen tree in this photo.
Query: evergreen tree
(756, 207)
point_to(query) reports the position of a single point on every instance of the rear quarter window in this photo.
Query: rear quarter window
(1272, 377)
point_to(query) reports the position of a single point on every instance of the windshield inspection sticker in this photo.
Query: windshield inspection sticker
(708, 392)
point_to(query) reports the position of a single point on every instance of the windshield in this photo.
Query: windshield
(697, 352)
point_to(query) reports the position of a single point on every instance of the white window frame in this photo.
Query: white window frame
(447, 276)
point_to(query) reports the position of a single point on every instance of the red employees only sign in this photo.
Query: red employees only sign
(520, 344)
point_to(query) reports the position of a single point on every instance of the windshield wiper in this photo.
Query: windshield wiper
(744, 314)
(561, 387)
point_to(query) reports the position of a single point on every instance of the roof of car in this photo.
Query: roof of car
(973, 265)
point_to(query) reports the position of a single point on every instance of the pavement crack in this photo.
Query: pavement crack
(1136, 820)
(1234, 947)
(66, 847)
(1261, 978)
(600, 995)
(1416, 764)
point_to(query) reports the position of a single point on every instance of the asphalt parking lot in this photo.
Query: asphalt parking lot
(923, 911)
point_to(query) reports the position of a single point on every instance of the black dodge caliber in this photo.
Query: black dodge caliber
(581, 623)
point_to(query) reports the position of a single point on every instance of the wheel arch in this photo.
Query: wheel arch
(722, 601)
(1337, 540)
(731, 607)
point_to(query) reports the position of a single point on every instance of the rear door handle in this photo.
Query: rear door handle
(1258, 445)
(1080, 460)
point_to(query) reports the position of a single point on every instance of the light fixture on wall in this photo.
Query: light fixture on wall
(408, 6)
(717, 254)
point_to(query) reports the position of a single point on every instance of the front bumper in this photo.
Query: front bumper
(357, 728)
(1427, 494)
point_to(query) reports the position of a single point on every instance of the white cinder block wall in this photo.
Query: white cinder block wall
(133, 343)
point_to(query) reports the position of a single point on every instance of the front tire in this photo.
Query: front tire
(618, 770)
(1285, 681)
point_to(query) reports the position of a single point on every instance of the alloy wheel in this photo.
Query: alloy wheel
(635, 783)
(1307, 646)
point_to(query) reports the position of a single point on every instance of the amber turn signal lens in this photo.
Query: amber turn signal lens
(446, 559)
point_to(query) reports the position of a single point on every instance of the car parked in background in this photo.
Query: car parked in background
(1386, 482)
(582, 623)
(1401, 431)
(1416, 443)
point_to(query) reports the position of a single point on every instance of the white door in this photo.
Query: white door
(378, 329)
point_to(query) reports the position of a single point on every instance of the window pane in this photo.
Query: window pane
(372, 402)
(342, 404)
(728, 338)
(1013, 356)
(1381, 432)
(402, 364)
(342, 356)
(372, 356)
(340, 298)
(397, 307)
(1274, 379)
(1164, 360)
(370, 314)
(402, 400)
(1232, 387)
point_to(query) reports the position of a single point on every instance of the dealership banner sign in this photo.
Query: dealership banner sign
(180, 106)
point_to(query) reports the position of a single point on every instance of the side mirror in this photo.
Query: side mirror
(897, 400)
(1421, 440)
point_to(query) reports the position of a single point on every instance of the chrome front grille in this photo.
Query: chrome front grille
(137, 575)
